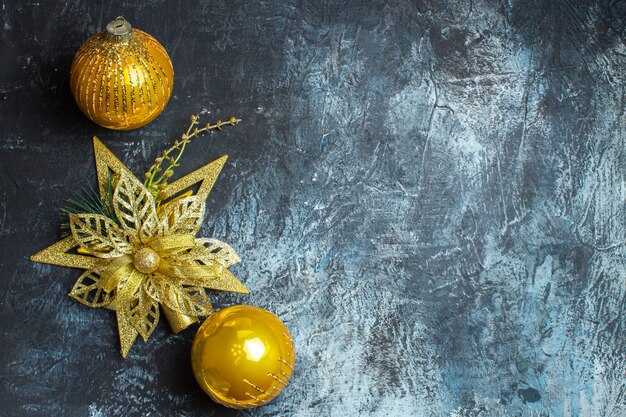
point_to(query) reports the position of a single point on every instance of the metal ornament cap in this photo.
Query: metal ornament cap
(119, 29)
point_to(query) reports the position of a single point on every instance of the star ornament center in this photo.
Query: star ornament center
(146, 257)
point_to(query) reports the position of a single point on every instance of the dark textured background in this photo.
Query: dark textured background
(431, 195)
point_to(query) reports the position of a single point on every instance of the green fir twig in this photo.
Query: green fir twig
(87, 200)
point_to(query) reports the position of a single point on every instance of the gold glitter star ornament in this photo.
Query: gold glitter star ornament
(146, 255)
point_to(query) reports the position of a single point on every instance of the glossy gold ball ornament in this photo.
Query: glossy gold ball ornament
(121, 78)
(242, 356)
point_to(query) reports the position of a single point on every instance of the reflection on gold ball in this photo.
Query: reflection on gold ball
(242, 356)
(121, 78)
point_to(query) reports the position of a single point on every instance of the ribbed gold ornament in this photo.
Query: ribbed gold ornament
(121, 78)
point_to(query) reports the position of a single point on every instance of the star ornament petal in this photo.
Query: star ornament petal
(146, 258)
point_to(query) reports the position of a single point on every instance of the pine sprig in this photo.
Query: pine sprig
(87, 200)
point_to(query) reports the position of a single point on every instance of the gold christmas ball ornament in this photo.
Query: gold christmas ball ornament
(242, 356)
(121, 78)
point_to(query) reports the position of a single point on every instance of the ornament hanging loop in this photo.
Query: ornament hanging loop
(119, 29)
(119, 21)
